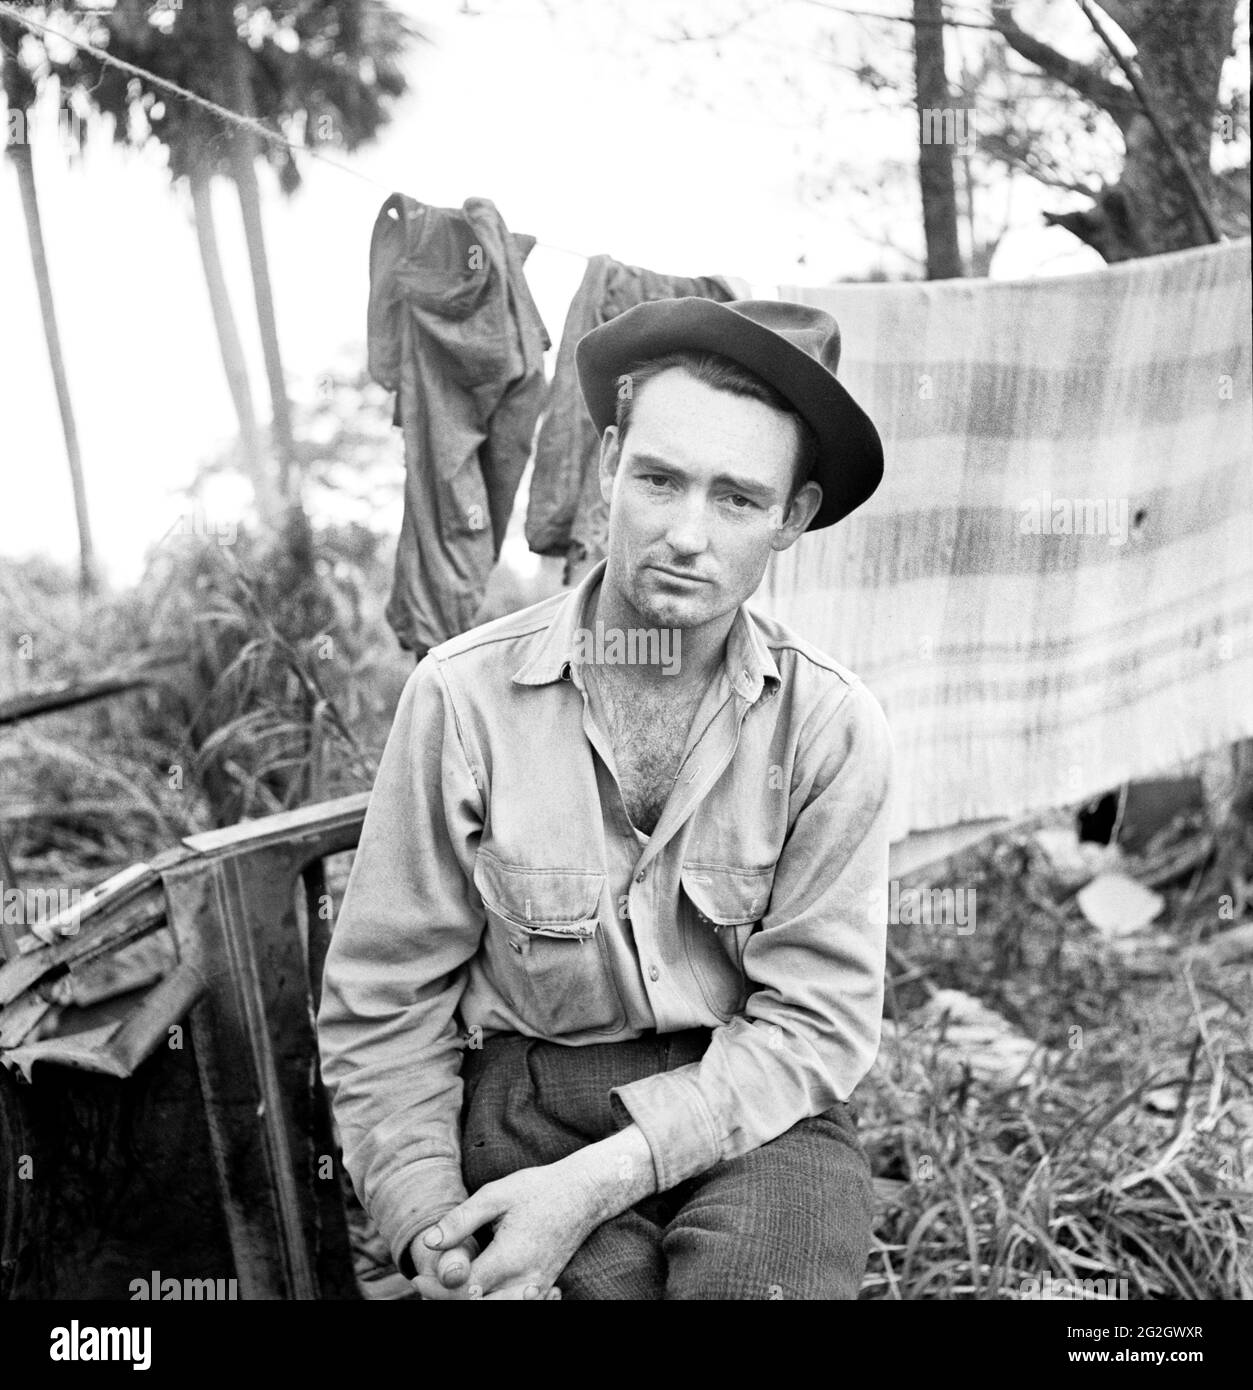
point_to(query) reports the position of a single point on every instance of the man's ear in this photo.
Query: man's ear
(802, 511)
(610, 452)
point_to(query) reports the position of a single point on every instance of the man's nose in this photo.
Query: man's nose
(688, 533)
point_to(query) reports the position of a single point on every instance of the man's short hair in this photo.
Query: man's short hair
(721, 373)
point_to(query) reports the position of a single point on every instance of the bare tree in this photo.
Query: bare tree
(935, 157)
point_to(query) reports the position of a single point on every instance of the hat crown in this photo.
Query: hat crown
(810, 329)
(793, 347)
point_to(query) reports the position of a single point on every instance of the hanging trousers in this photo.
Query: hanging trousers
(453, 330)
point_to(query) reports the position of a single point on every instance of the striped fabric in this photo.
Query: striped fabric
(1052, 591)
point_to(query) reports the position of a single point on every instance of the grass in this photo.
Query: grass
(281, 693)
(1125, 1155)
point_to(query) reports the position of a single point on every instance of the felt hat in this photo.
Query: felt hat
(793, 347)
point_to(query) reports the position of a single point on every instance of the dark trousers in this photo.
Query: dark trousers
(791, 1219)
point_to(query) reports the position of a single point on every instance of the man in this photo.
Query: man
(611, 955)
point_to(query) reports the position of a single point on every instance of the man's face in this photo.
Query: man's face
(698, 498)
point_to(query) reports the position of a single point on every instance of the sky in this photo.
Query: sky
(583, 131)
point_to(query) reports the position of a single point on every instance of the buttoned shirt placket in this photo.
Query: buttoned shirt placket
(705, 757)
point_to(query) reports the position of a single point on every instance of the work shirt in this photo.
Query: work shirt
(499, 886)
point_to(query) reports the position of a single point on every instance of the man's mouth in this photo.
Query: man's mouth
(686, 576)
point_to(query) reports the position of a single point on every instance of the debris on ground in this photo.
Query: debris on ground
(1117, 906)
(967, 1034)
(1069, 862)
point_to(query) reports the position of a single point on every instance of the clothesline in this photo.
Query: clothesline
(224, 113)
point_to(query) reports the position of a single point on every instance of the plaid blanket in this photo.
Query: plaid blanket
(1052, 591)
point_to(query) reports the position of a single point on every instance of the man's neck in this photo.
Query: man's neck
(700, 650)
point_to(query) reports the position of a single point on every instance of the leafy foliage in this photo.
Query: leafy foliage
(319, 72)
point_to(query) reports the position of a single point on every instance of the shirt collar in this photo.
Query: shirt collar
(748, 665)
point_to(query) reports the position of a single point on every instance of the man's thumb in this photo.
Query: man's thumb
(457, 1225)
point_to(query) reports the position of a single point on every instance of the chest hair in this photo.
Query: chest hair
(648, 729)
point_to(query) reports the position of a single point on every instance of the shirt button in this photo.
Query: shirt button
(654, 973)
(639, 878)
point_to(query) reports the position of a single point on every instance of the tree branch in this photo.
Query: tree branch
(1003, 148)
(946, 22)
(1126, 16)
(736, 26)
(1079, 77)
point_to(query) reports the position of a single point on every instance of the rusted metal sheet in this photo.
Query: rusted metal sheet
(105, 976)
(120, 910)
(116, 1047)
(21, 1019)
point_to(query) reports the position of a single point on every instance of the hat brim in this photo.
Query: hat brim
(849, 465)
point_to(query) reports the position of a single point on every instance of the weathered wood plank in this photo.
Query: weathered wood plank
(117, 1048)
(330, 825)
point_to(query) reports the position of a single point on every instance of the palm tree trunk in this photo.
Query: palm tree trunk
(243, 166)
(21, 156)
(232, 350)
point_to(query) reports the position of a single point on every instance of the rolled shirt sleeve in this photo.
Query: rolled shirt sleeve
(410, 921)
(811, 1025)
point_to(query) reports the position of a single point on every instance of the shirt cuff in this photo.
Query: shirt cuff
(403, 1209)
(673, 1115)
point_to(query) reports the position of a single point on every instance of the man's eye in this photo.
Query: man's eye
(739, 502)
(657, 479)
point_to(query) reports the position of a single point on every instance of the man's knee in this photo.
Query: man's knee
(790, 1220)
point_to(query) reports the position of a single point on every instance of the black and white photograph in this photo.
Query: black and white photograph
(626, 668)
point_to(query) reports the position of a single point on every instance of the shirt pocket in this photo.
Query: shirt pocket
(723, 906)
(545, 947)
